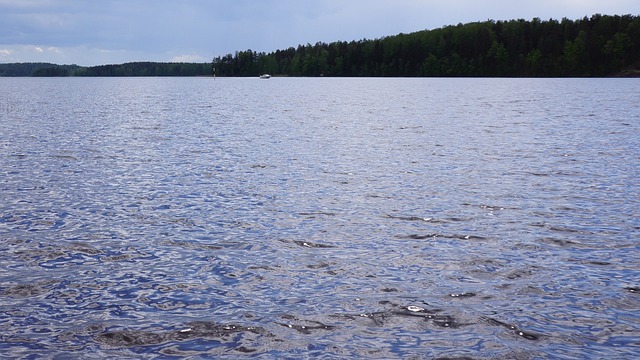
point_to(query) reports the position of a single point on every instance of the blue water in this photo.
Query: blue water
(330, 218)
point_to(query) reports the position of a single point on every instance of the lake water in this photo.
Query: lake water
(330, 218)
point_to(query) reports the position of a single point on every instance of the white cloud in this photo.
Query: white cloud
(114, 31)
(188, 58)
(26, 3)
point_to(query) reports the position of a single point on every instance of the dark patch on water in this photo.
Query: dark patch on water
(26, 290)
(308, 244)
(316, 213)
(443, 236)
(414, 218)
(192, 330)
(462, 295)
(521, 333)
(306, 327)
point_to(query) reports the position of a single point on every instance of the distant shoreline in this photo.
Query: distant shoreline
(596, 46)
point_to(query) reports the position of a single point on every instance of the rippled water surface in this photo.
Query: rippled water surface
(335, 218)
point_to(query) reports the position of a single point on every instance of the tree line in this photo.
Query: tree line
(599, 45)
(36, 69)
(127, 69)
(147, 69)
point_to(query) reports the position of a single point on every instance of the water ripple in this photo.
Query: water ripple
(329, 218)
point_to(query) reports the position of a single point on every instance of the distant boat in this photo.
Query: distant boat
(265, 76)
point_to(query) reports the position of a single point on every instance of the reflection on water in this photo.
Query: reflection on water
(366, 218)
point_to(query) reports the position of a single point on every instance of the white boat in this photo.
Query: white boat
(265, 76)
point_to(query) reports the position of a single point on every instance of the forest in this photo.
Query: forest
(36, 69)
(147, 69)
(600, 45)
(597, 46)
(127, 69)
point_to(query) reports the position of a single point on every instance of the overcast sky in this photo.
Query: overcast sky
(88, 32)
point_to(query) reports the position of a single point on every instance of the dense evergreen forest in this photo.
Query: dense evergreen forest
(147, 69)
(596, 46)
(128, 69)
(36, 69)
(599, 45)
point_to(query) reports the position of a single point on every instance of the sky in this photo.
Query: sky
(98, 32)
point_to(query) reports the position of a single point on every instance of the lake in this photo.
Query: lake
(319, 218)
